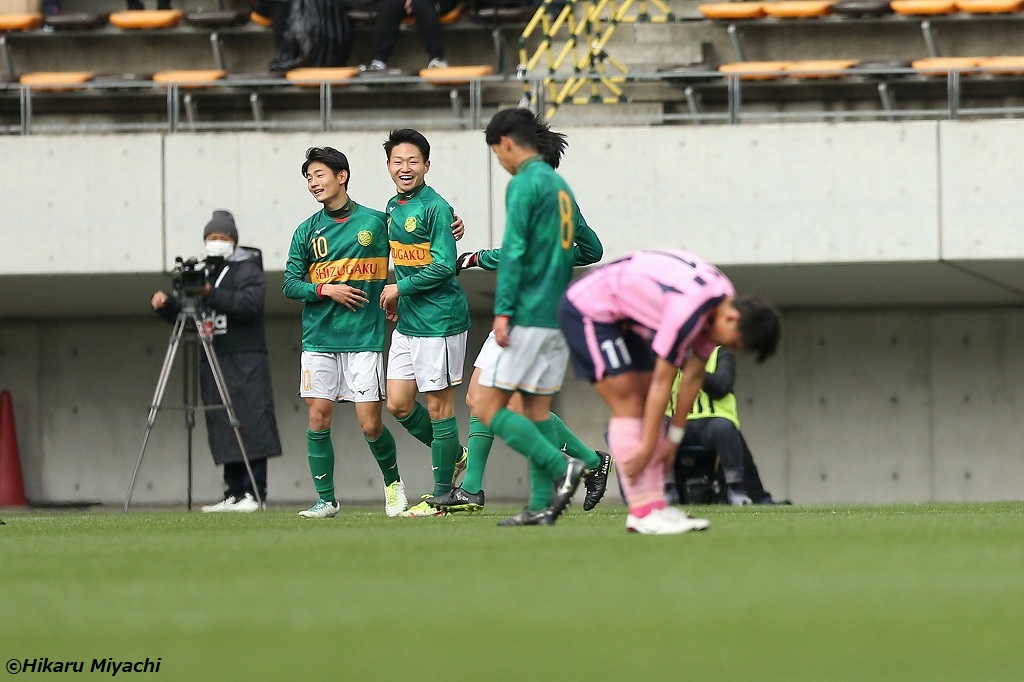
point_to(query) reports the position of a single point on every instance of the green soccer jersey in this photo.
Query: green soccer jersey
(347, 246)
(537, 249)
(430, 300)
(586, 249)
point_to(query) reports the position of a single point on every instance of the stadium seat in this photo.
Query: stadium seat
(731, 10)
(76, 21)
(754, 71)
(214, 22)
(497, 18)
(941, 66)
(456, 75)
(861, 8)
(819, 68)
(1002, 66)
(923, 7)
(990, 6)
(55, 80)
(797, 9)
(314, 76)
(260, 20)
(27, 21)
(189, 78)
(141, 19)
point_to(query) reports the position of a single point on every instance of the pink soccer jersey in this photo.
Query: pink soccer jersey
(664, 296)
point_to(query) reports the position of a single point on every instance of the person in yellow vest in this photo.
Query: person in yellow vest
(714, 424)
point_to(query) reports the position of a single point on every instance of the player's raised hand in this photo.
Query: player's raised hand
(470, 259)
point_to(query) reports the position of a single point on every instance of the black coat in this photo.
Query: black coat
(235, 305)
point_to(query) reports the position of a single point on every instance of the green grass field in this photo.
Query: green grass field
(928, 592)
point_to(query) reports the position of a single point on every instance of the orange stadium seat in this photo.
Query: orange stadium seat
(21, 22)
(732, 10)
(187, 78)
(147, 18)
(923, 7)
(261, 20)
(55, 80)
(755, 71)
(455, 75)
(798, 9)
(313, 76)
(990, 6)
(1004, 66)
(940, 66)
(819, 68)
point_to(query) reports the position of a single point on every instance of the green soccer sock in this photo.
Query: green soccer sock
(479, 444)
(573, 445)
(320, 451)
(524, 437)
(444, 452)
(418, 424)
(541, 488)
(386, 454)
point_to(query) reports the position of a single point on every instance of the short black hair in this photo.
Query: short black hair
(328, 156)
(518, 124)
(550, 144)
(410, 136)
(760, 325)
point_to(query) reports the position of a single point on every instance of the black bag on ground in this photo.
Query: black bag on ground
(318, 34)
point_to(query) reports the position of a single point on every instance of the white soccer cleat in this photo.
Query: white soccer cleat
(321, 510)
(667, 521)
(224, 505)
(395, 501)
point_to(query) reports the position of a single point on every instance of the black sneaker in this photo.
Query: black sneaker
(566, 486)
(528, 518)
(597, 481)
(457, 500)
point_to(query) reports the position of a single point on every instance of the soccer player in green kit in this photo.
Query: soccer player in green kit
(337, 265)
(527, 352)
(587, 249)
(428, 345)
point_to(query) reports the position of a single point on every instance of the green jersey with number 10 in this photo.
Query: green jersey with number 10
(347, 246)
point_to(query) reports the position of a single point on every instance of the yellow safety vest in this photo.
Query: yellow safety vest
(705, 406)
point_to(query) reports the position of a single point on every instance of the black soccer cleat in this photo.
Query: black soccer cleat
(566, 487)
(597, 481)
(528, 518)
(457, 500)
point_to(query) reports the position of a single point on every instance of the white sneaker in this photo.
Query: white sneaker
(225, 505)
(246, 504)
(395, 501)
(437, 64)
(676, 512)
(663, 522)
(321, 510)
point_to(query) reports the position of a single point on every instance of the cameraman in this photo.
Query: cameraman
(232, 297)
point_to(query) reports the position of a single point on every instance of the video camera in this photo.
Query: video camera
(190, 276)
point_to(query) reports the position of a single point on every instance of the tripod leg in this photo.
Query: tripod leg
(158, 396)
(222, 389)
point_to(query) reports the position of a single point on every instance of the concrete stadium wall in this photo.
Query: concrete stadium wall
(882, 402)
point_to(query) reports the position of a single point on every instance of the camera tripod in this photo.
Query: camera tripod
(197, 331)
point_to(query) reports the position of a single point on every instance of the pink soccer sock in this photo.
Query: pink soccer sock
(647, 492)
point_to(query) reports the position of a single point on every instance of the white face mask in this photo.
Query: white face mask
(220, 249)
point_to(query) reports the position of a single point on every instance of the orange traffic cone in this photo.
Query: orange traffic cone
(12, 486)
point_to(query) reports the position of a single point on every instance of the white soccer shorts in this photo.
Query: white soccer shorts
(534, 361)
(349, 377)
(435, 362)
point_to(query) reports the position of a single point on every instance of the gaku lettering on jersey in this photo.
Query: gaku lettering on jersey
(366, 269)
(413, 255)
